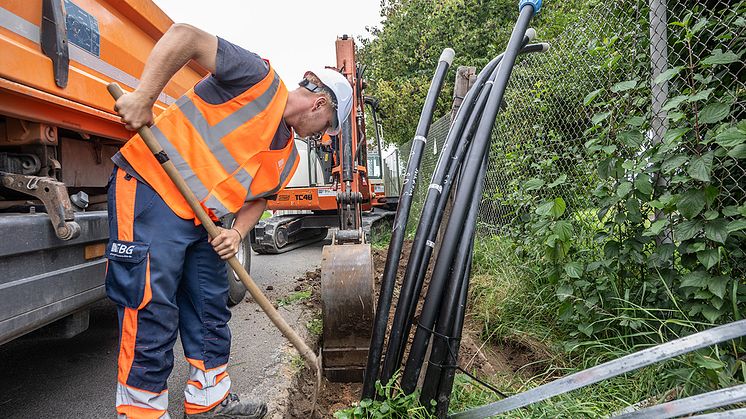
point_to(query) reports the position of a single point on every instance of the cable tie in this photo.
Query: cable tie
(443, 366)
(436, 187)
(490, 82)
(420, 138)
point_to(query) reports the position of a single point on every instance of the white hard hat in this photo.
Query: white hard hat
(341, 91)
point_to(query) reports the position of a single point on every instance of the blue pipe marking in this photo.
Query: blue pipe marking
(535, 3)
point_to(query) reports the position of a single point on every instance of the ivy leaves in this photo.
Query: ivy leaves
(714, 112)
(661, 194)
(554, 208)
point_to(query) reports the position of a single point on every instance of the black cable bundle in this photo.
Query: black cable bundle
(470, 176)
(466, 151)
(400, 225)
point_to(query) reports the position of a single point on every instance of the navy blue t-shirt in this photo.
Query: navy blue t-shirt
(236, 70)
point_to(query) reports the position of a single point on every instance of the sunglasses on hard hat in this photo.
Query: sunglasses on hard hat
(315, 88)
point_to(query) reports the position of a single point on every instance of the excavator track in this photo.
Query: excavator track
(280, 234)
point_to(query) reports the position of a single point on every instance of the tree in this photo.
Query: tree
(402, 55)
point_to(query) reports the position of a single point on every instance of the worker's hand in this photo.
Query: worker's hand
(135, 109)
(226, 243)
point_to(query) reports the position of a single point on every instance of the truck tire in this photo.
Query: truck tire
(236, 288)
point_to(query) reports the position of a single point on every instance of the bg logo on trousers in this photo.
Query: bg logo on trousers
(122, 249)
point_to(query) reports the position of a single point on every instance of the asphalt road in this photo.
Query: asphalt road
(76, 378)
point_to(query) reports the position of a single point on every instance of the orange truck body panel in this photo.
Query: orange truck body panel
(128, 31)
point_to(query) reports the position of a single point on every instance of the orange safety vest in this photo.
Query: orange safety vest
(222, 151)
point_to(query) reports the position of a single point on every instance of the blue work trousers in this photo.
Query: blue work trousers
(164, 276)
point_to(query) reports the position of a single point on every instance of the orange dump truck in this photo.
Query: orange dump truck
(57, 136)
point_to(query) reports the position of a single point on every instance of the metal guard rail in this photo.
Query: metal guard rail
(620, 366)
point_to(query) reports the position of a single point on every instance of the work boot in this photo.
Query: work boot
(231, 407)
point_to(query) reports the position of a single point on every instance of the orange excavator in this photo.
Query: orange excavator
(333, 189)
(333, 186)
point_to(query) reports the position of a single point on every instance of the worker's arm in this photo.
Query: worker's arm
(226, 243)
(178, 45)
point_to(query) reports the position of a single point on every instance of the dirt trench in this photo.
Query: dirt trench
(484, 359)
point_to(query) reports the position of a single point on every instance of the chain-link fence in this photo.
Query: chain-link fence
(634, 116)
(430, 155)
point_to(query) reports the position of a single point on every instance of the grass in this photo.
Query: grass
(380, 235)
(513, 301)
(315, 326)
(515, 304)
(294, 297)
(297, 363)
(508, 296)
(599, 400)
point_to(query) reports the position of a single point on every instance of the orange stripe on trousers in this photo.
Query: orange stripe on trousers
(125, 199)
(132, 412)
(125, 207)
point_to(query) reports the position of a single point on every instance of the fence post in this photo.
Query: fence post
(465, 77)
(659, 91)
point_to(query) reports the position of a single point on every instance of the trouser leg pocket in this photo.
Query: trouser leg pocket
(126, 272)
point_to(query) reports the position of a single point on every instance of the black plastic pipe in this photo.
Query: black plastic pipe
(443, 202)
(432, 213)
(400, 226)
(448, 375)
(399, 330)
(397, 339)
(464, 194)
(448, 306)
(448, 183)
(445, 352)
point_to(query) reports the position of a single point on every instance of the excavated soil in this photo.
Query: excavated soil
(484, 359)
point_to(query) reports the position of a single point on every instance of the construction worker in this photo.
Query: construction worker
(231, 138)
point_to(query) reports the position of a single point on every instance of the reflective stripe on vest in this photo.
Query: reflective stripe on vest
(220, 149)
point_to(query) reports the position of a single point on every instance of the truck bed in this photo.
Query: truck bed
(108, 41)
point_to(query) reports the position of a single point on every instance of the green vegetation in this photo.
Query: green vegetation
(616, 241)
(402, 56)
(315, 326)
(606, 233)
(294, 297)
(391, 404)
(297, 363)
(380, 235)
(518, 307)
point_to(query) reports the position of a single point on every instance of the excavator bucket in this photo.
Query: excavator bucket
(347, 303)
